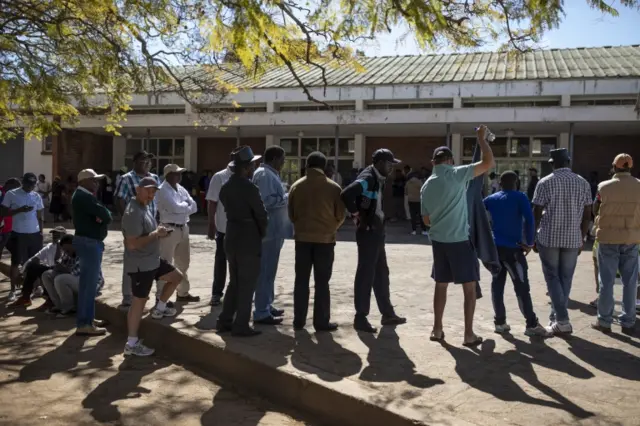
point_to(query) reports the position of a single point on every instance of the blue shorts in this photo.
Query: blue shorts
(455, 262)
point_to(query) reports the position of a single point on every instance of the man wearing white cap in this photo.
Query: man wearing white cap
(175, 205)
(91, 220)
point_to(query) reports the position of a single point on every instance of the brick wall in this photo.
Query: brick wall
(213, 153)
(414, 151)
(596, 153)
(76, 150)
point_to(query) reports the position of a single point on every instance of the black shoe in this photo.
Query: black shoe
(188, 298)
(215, 300)
(332, 326)
(629, 331)
(364, 325)
(246, 332)
(268, 321)
(393, 320)
(277, 312)
(222, 327)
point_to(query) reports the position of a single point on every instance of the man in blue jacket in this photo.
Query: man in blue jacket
(509, 208)
(363, 198)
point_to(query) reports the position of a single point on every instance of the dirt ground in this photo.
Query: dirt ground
(48, 376)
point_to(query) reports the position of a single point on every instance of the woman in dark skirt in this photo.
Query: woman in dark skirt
(57, 207)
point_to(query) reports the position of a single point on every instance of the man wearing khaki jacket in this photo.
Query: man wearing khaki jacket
(316, 211)
(617, 209)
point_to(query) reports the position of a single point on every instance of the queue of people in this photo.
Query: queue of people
(251, 213)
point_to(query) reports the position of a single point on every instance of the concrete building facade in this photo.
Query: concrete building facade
(585, 100)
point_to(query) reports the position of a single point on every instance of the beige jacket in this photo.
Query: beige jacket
(618, 220)
(412, 189)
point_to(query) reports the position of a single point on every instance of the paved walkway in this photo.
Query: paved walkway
(588, 378)
(48, 376)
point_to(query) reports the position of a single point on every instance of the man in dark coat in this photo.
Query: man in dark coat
(246, 227)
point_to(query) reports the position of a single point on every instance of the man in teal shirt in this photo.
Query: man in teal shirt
(444, 206)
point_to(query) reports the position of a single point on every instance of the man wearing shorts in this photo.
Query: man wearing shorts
(25, 207)
(143, 264)
(444, 207)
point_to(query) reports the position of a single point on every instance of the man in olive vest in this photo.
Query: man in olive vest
(618, 233)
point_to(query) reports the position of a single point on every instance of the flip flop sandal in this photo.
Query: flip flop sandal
(473, 344)
(433, 338)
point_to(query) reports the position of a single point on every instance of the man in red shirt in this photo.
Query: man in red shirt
(6, 222)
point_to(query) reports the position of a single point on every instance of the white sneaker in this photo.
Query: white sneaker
(38, 292)
(413, 233)
(138, 349)
(538, 330)
(425, 233)
(12, 296)
(557, 328)
(504, 328)
(168, 312)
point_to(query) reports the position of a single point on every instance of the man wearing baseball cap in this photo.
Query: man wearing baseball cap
(91, 220)
(363, 199)
(175, 205)
(618, 233)
(25, 207)
(144, 263)
(125, 191)
(444, 205)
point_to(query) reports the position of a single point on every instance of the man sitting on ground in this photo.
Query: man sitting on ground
(33, 269)
(143, 263)
(61, 281)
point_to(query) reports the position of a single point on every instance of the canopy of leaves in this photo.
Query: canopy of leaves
(62, 57)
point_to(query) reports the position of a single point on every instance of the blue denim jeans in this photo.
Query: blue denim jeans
(265, 291)
(613, 258)
(558, 266)
(89, 251)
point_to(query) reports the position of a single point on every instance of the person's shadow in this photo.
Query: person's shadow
(490, 372)
(58, 360)
(610, 360)
(327, 359)
(389, 363)
(123, 385)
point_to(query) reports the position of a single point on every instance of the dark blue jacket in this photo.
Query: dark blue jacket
(361, 196)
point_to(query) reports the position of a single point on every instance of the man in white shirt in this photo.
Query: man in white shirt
(41, 262)
(25, 206)
(175, 205)
(217, 231)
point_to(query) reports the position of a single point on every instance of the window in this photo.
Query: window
(316, 107)
(498, 146)
(47, 144)
(297, 150)
(577, 101)
(412, 105)
(166, 151)
(162, 111)
(505, 103)
(543, 146)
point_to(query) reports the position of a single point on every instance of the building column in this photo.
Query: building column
(359, 104)
(270, 140)
(271, 107)
(564, 140)
(191, 153)
(565, 100)
(360, 151)
(456, 147)
(119, 152)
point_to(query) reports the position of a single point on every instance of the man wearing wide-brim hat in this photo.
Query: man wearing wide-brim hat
(91, 220)
(246, 227)
(175, 206)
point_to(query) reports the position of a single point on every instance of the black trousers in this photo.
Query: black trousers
(32, 273)
(219, 267)
(372, 272)
(416, 217)
(243, 278)
(318, 256)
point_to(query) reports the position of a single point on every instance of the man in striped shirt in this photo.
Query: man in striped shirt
(125, 191)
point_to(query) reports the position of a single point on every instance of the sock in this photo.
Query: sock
(131, 341)
(161, 306)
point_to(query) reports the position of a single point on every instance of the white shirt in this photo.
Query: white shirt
(46, 255)
(26, 222)
(213, 194)
(175, 206)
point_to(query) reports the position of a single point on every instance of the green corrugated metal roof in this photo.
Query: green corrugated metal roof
(580, 63)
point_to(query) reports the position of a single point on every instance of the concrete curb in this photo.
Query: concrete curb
(320, 403)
